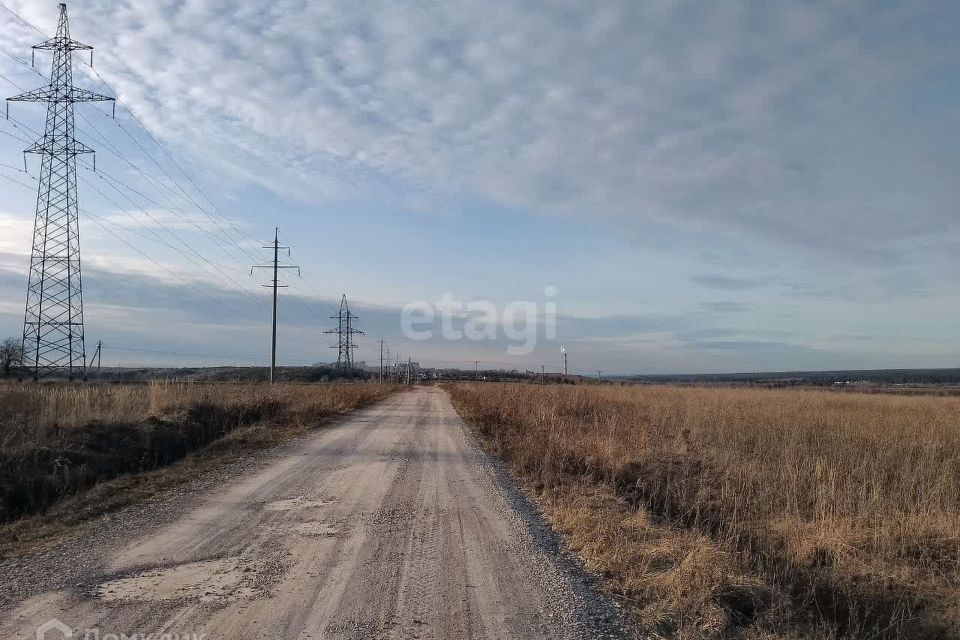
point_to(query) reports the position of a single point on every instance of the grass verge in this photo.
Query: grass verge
(72, 452)
(746, 513)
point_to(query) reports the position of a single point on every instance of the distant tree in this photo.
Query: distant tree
(11, 356)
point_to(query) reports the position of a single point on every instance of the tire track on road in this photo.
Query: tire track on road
(390, 523)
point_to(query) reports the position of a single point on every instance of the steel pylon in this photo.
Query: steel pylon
(345, 332)
(53, 339)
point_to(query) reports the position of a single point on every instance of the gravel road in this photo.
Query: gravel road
(390, 523)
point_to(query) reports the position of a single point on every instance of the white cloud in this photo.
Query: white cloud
(806, 125)
(778, 119)
(150, 219)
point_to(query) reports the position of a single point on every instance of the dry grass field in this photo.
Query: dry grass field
(746, 513)
(58, 439)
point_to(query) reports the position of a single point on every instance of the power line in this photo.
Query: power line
(110, 181)
(120, 155)
(22, 19)
(166, 152)
(178, 212)
(115, 183)
(14, 180)
(193, 252)
(113, 149)
(164, 227)
(101, 222)
(177, 238)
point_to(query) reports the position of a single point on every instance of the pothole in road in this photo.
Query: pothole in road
(206, 581)
(299, 502)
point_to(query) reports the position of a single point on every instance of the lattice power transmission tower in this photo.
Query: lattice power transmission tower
(345, 332)
(53, 322)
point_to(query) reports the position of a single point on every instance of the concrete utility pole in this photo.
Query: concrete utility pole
(95, 356)
(543, 374)
(564, 351)
(476, 365)
(381, 360)
(275, 285)
(409, 376)
(598, 374)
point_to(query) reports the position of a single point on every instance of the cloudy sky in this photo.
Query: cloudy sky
(710, 186)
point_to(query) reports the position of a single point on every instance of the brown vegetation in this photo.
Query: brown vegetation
(746, 513)
(11, 356)
(57, 439)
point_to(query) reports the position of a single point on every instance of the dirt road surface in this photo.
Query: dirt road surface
(390, 523)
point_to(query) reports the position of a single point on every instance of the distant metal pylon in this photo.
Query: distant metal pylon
(53, 321)
(345, 333)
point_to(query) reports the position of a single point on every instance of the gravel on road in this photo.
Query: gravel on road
(389, 523)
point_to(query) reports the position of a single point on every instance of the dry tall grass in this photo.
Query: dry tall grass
(42, 413)
(57, 439)
(797, 511)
